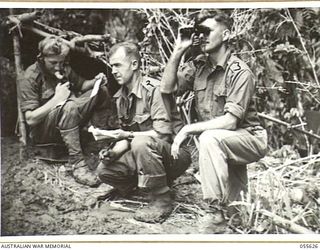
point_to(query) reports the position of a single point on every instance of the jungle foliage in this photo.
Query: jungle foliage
(282, 47)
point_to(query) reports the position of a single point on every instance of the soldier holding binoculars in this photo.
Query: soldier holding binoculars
(230, 134)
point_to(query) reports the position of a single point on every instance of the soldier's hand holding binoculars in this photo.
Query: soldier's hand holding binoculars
(185, 38)
(189, 36)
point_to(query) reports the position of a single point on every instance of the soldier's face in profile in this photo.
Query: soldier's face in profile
(121, 66)
(214, 39)
(54, 63)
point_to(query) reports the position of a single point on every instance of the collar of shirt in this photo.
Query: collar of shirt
(136, 90)
(203, 60)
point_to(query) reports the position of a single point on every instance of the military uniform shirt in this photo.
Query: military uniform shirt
(228, 86)
(143, 109)
(37, 87)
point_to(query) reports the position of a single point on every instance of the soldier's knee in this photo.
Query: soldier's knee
(209, 138)
(70, 108)
(69, 116)
(205, 138)
(140, 143)
(106, 174)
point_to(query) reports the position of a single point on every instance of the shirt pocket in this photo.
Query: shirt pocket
(219, 100)
(143, 121)
(201, 102)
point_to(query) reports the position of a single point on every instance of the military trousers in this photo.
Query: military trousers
(223, 156)
(148, 164)
(75, 112)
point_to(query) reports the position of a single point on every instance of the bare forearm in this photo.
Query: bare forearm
(151, 133)
(121, 146)
(34, 117)
(227, 121)
(169, 79)
(146, 133)
(87, 85)
(119, 134)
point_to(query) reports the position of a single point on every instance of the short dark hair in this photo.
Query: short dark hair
(219, 16)
(131, 49)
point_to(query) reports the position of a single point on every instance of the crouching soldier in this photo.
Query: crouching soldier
(230, 133)
(141, 156)
(57, 102)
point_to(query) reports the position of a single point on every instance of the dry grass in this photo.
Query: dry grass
(282, 194)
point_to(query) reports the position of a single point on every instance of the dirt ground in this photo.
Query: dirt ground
(41, 199)
(38, 198)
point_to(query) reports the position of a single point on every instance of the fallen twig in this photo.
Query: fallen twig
(140, 203)
(119, 207)
(286, 224)
(73, 191)
(193, 208)
(155, 228)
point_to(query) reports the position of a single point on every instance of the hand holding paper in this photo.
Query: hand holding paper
(100, 134)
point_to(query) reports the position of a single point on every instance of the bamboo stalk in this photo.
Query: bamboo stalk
(92, 39)
(270, 118)
(312, 63)
(89, 38)
(286, 224)
(19, 75)
(25, 17)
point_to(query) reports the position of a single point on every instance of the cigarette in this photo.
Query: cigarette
(58, 75)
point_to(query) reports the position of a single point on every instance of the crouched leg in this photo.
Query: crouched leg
(156, 169)
(68, 124)
(121, 174)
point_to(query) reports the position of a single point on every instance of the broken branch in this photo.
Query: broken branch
(89, 38)
(270, 118)
(286, 224)
(25, 17)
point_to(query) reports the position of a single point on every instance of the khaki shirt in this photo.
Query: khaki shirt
(228, 86)
(143, 109)
(37, 87)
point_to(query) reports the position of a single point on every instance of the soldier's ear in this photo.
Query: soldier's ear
(135, 64)
(40, 58)
(226, 35)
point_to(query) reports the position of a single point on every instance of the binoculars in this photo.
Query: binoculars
(197, 30)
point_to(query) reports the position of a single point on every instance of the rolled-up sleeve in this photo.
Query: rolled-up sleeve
(159, 116)
(186, 74)
(240, 94)
(29, 97)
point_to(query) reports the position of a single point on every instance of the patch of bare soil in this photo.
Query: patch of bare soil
(41, 199)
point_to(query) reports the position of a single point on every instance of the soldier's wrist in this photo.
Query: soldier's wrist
(130, 135)
(178, 52)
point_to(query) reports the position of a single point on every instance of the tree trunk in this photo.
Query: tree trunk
(19, 74)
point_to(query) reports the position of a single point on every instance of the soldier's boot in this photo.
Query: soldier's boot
(80, 170)
(158, 210)
(213, 222)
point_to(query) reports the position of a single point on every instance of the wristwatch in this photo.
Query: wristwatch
(131, 136)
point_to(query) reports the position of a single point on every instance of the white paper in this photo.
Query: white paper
(96, 87)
